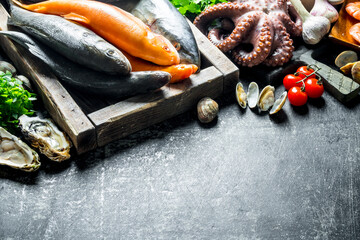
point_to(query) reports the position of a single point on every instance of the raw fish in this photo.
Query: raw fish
(89, 80)
(73, 41)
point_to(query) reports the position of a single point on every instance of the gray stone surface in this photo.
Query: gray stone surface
(245, 176)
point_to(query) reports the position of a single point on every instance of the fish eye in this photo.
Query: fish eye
(177, 46)
(110, 52)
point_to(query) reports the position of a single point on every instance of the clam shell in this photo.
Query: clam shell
(207, 110)
(346, 69)
(17, 154)
(5, 66)
(355, 72)
(335, 2)
(345, 57)
(252, 94)
(241, 95)
(266, 98)
(279, 103)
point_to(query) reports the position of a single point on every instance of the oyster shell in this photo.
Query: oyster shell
(17, 154)
(241, 95)
(25, 81)
(207, 110)
(279, 103)
(5, 66)
(252, 94)
(345, 57)
(266, 98)
(43, 134)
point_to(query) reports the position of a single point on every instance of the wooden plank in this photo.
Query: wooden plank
(136, 113)
(58, 102)
(217, 59)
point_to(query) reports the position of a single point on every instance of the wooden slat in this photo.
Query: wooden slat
(136, 113)
(217, 59)
(58, 102)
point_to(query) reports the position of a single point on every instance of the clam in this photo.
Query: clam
(5, 66)
(44, 134)
(17, 154)
(279, 103)
(207, 110)
(346, 69)
(266, 98)
(252, 94)
(355, 72)
(241, 95)
(345, 57)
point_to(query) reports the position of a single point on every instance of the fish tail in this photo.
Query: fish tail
(181, 71)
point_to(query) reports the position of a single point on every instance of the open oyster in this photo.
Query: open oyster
(17, 154)
(43, 134)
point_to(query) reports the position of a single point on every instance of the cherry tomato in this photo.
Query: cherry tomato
(306, 71)
(297, 96)
(290, 80)
(313, 88)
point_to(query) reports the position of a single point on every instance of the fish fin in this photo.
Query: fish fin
(25, 41)
(76, 17)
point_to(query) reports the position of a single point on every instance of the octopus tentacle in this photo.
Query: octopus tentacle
(242, 30)
(231, 11)
(282, 46)
(261, 46)
(294, 28)
(297, 21)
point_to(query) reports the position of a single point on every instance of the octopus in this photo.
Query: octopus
(252, 31)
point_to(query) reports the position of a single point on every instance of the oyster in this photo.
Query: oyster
(17, 154)
(207, 110)
(5, 66)
(25, 81)
(345, 57)
(241, 95)
(43, 134)
(253, 94)
(267, 98)
(279, 103)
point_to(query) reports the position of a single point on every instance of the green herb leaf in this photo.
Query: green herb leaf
(14, 101)
(191, 7)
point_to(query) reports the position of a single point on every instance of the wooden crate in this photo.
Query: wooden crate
(93, 121)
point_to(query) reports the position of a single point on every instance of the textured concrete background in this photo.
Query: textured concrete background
(244, 176)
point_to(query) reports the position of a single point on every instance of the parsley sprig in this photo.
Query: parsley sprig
(14, 101)
(193, 7)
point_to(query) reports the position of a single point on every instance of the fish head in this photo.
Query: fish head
(181, 38)
(111, 55)
(163, 51)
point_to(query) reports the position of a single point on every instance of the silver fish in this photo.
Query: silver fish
(73, 41)
(163, 18)
(85, 79)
